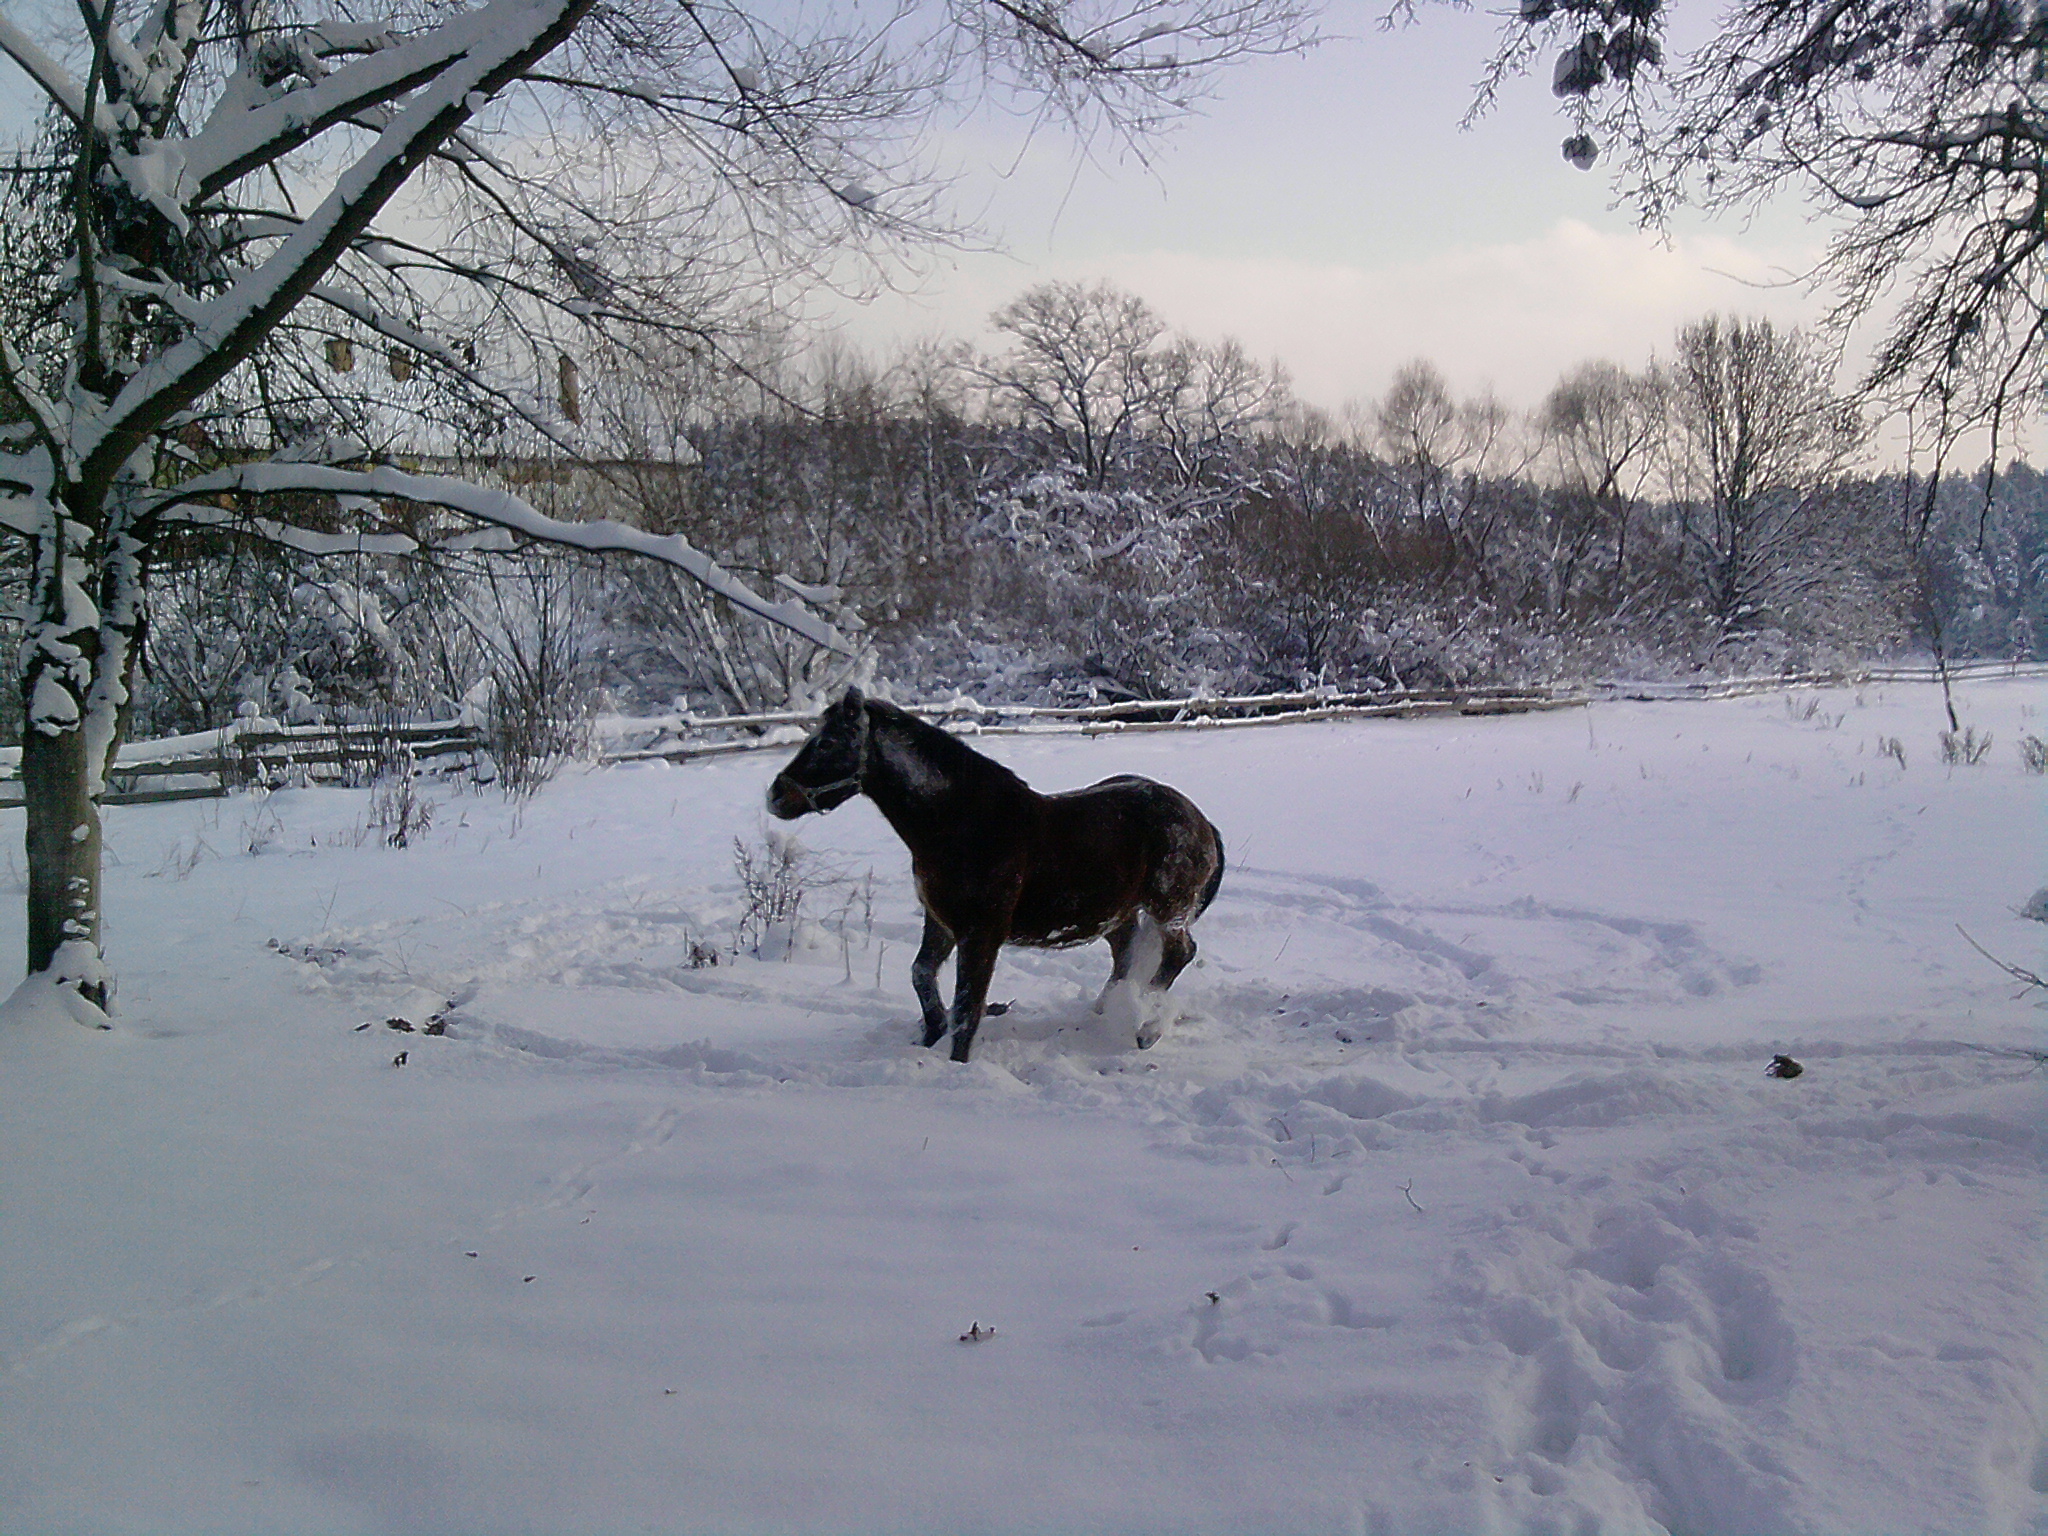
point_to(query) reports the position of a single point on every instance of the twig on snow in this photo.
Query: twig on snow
(2027, 979)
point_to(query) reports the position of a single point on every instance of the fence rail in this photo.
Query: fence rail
(209, 764)
(1737, 687)
(685, 737)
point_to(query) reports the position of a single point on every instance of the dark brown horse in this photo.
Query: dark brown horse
(998, 863)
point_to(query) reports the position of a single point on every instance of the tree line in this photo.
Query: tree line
(1098, 506)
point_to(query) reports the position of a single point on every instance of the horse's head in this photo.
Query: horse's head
(827, 772)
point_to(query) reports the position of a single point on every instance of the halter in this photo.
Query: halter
(809, 793)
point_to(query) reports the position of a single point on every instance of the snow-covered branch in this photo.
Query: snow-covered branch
(20, 387)
(503, 510)
(500, 38)
(51, 78)
(309, 541)
(241, 137)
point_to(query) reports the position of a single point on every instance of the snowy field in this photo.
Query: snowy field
(1457, 1202)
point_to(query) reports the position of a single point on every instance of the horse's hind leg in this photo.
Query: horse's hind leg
(1121, 938)
(1176, 949)
(924, 977)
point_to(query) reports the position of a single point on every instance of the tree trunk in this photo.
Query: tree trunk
(63, 859)
(77, 672)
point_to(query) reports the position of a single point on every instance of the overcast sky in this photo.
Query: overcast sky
(1329, 212)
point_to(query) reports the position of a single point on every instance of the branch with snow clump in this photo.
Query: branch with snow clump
(503, 510)
(486, 49)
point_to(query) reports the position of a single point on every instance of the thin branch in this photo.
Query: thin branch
(2027, 979)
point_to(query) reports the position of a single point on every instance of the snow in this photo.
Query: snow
(1457, 1200)
(51, 707)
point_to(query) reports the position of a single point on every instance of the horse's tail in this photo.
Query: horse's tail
(1215, 880)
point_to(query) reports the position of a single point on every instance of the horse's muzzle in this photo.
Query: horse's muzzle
(787, 801)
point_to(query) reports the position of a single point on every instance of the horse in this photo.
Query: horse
(996, 862)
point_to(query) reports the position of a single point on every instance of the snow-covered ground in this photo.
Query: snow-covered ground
(1459, 1201)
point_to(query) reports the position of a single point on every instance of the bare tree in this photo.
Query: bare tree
(276, 248)
(1601, 425)
(1096, 367)
(1090, 364)
(1921, 130)
(1215, 396)
(1757, 441)
(1441, 451)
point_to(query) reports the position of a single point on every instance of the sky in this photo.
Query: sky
(1329, 212)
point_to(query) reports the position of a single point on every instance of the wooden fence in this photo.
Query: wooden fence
(1737, 687)
(210, 764)
(682, 737)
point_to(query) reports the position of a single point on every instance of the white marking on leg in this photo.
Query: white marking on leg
(1126, 1004)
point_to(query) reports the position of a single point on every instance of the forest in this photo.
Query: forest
(1098, 507)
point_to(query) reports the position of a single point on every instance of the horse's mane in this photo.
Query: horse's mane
(947, 752)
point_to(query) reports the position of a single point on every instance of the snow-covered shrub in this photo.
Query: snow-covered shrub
(1982, 577)
(239, 621)
(535, 626)
(1420, 641)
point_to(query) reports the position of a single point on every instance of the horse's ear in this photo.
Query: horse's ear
(852, 702)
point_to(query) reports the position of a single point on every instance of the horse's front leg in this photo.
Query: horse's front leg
(977, 963)
(924, 977)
